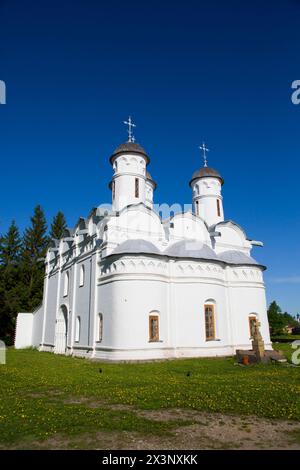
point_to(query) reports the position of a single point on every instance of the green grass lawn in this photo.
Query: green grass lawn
(43, 395)
(285, 348)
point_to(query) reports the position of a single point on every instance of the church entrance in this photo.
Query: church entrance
(61, 331)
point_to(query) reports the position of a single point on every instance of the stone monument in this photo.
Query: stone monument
(258, 353)
(258, 344)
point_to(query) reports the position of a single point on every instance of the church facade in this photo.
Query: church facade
(128, 284)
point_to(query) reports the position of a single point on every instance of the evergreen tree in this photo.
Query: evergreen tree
(277, 321)
(1, 246)
(10, 246)
(35, 243)
(58, 226)
(35, 240)
(11, 287)
(290, 320)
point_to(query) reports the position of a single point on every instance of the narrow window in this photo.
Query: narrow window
(197, 207)
(100, 327)
(209, 322)
(252, 324)
(136, 187)
(77, 330)
(218, 208)
(81, 276)
(113, 190)
(66, 284)
(153, 328)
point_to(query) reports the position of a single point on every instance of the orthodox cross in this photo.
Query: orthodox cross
(204, 150)
(130, 125)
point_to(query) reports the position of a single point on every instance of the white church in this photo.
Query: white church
(129, 284)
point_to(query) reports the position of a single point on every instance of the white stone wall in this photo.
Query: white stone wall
(232, 238)
(177, 291)
(24, 328)
(149, 194)
(50, 311)
(187, 226)
(37, 326)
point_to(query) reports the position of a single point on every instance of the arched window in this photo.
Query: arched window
(252, 324)
(113, 190)
(81, 276)
(137, 192)
(210, 322)
(218, 208)
(153, 328)
(77, 330)
(66, 284)
(197, 207)
(100, 327)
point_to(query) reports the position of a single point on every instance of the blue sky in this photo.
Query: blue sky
(186, 71)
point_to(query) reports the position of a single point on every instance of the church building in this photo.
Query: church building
(129, 284)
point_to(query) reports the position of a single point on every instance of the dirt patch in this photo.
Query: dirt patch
(219, 431)
(174, 414)
(209, 431)
(49, 393)
(222, 433)
(76, 401)
(98, 404)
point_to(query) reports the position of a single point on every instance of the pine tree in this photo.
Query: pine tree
(35, 240)
(277, 321)
(35, 243)
(11, 287)
(10, 246)
(290, 320)
(58, 226)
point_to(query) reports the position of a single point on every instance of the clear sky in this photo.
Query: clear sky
(187, 71)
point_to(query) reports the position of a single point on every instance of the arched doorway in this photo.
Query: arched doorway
(61, 331)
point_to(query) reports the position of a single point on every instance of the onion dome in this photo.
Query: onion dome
(129, 148)
(206, 172)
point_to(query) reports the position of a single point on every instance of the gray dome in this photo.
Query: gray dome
(129, 147)
(206, 172)
(185, 249)
(190, 249)
(136, 246)
(236, 257)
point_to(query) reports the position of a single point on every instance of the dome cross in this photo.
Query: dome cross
(130, 125)
(204, 150)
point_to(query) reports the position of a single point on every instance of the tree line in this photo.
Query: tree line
(279, 320)
(22, 268)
